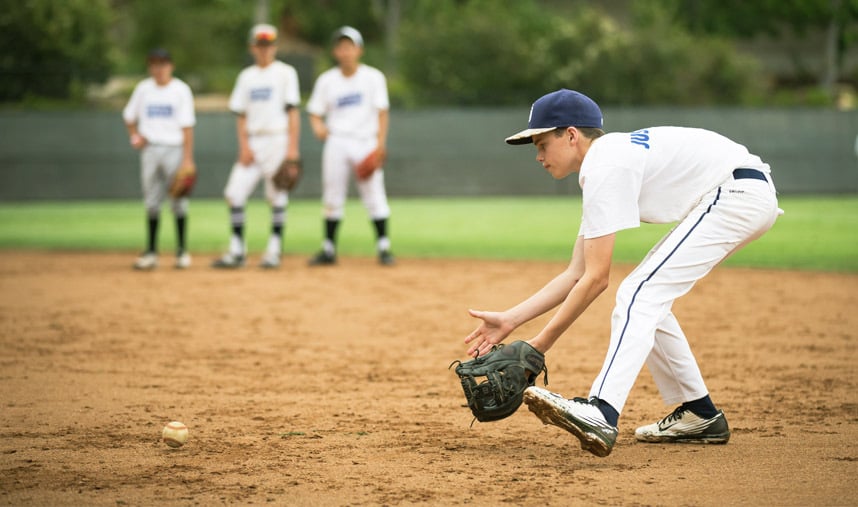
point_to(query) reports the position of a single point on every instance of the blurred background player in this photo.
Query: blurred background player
(348, 110)
(265, 100)
(160, 120)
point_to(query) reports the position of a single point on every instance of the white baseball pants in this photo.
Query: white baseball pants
(158, 165)
(339, 158)
(269, 151)
(643, 329)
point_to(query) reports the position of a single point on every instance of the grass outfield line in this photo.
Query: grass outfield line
(814, 234)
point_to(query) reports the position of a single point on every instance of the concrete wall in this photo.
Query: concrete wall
(83, 155)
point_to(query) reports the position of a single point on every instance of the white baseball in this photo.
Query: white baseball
(175, 434)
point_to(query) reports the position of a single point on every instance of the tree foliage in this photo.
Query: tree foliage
(473, 53)
(746, 19)
(315, 21)
(51, 48)
(207, 38)
(435, 52)
(777, 19)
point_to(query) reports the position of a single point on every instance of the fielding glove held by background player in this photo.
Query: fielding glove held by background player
(494, 383)
(369, 164)
(289, 174)
(183, 181)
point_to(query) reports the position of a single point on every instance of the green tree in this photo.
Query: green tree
(207, 39)
(479, 53)
(315, 21)
(52, 48)
(472, 53)
(837, 19)
(653, 61)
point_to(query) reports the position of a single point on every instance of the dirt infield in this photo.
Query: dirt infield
(328, 386)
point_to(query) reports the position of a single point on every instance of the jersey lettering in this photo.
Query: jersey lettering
(260, 94)
(352, 99)
(159, 110)
(640, 137)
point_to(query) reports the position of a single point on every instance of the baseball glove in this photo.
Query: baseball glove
(289, 174)
(183, 182)
(369, 164)
(494, 383)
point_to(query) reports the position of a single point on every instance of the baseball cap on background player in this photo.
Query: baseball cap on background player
(263, 34)
(563, 108)
(347, 32)
(158, 55)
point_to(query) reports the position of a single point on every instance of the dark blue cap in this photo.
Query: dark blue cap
(159, 54)
(563, 108)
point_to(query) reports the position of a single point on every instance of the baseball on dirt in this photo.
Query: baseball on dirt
(175, 434)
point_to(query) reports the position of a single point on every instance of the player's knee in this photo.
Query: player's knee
(233, 200)
(334, 210)
(278, 199)
(378, 211)
(180, 206)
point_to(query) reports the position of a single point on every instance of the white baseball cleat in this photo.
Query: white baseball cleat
(229, 261)
(270, 261)
(183, 260)
(323, 258)
(385, 258)
(146, 261)
(579, 416)
(684, 426)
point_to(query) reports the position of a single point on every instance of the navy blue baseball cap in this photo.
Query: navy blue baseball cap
(159, 54)
(563, 108)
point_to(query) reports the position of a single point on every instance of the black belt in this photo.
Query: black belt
(743, 173)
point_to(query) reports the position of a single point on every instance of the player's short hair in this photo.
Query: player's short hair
(588, 132)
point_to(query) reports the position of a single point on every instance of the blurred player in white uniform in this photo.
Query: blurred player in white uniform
(265, 100)
(160, 120)
(348, 110)
(721, 197)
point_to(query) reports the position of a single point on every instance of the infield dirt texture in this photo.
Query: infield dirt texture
(330, 387)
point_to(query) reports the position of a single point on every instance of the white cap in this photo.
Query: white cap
(263, 34)
(349, 33)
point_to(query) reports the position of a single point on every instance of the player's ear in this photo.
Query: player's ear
(572, 134)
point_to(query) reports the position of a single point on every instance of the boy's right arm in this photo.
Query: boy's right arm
(320, 130)
(245, 156)
(496, 326)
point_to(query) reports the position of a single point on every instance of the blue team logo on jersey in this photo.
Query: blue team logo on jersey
(640, 137)
(352, 99)
(159, 110)
(260, 94)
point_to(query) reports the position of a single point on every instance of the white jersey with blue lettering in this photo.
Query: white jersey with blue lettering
(263, 95)
(721, 197)
(654, 175)
(161, 112)
(350, 104)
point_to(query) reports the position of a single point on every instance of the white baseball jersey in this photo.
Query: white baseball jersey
(350, 104)
(654, 175)
(161, 112)
(263, 94)
(662, 175)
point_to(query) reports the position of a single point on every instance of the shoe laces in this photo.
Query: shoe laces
(675, 415)
(587, 401)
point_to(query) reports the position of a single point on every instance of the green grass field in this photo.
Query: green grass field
(814, 234)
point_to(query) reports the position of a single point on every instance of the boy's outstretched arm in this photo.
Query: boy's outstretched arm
(496, 326)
